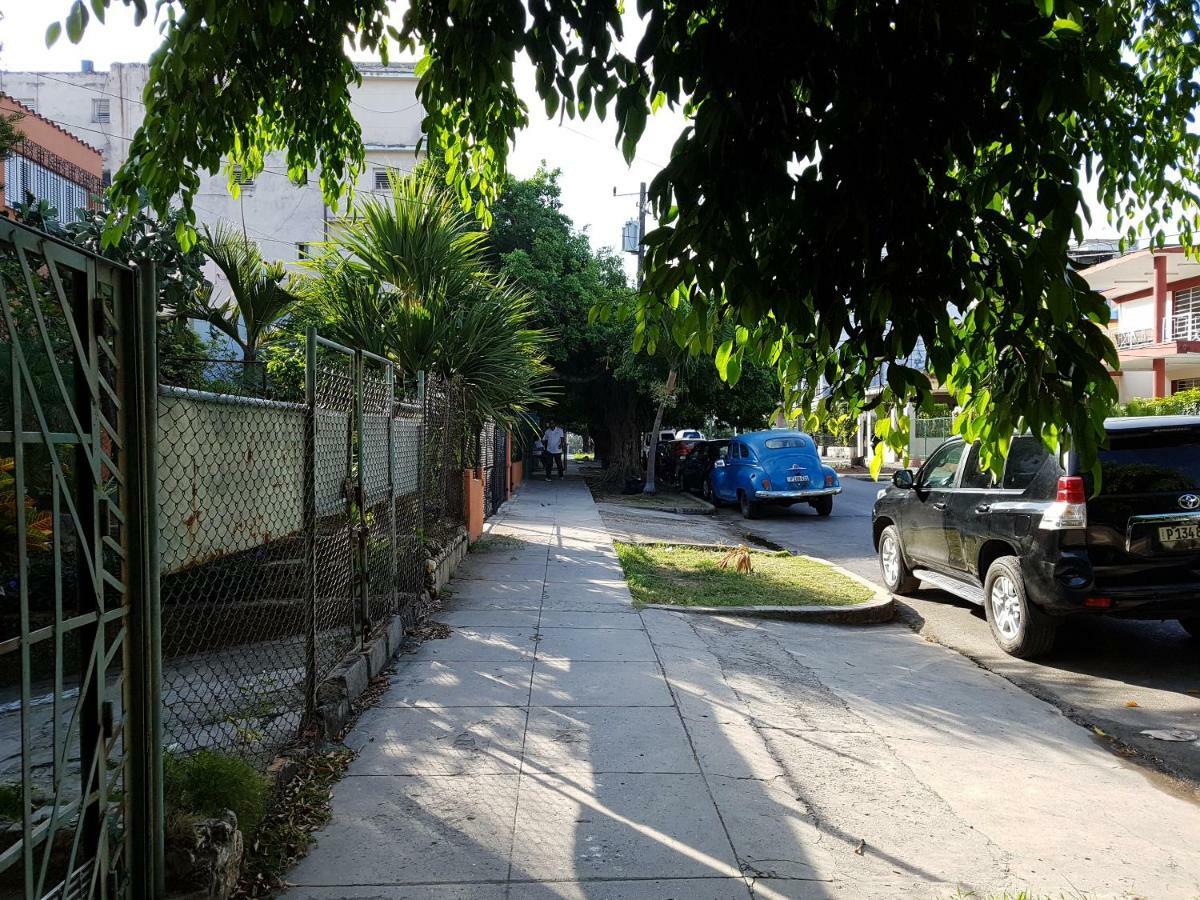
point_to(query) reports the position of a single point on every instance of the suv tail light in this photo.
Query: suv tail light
(1069, 509)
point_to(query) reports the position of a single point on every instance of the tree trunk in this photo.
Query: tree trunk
(652, 453)
(621, 441)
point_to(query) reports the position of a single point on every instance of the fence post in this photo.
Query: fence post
(389, 413)
(310, 524)
(358, 462)
(146, 824)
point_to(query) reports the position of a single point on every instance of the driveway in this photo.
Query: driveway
(1121, 677)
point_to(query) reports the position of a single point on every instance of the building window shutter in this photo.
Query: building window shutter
(381, 180)
(247, 184)
(101, 112)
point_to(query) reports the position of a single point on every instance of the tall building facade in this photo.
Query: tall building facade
(105, 109)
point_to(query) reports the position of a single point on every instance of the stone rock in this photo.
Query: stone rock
(209, 869)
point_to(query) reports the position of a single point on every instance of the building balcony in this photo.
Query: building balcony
(1128, 340)
(1183, 327)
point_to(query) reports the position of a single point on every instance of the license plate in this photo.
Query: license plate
(797, 479)
(1179, 536)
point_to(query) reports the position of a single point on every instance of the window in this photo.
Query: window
(1185, 384)
(793, 443)
(31, 102)
(101, 112)
(974, 477)
(745, 451)
(721, 452)
(939, 472)
(240, 177)
(302, 250)
(382, 182)
(1161, 461)
(1026, 455)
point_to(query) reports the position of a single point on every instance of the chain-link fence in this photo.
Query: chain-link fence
(293, 526)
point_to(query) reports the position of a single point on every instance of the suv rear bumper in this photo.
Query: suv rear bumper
(1065, 587)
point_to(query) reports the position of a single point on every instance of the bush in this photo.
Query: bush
(205, 784)
(1179, 403)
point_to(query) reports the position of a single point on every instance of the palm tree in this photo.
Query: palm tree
(406, 279)
(260, 296)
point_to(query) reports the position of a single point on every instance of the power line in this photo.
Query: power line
(87, 87)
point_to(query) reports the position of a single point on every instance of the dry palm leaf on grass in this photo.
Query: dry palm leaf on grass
(739, 558)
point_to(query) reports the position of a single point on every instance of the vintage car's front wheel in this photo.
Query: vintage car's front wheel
(750, 509)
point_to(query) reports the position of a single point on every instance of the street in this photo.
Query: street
(1122, 677)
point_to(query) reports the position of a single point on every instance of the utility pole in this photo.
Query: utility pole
(641, 248)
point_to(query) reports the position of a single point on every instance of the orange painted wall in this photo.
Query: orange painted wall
(46, 134)
(473, 504)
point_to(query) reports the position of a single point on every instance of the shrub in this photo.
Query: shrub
(1179, 403)
(205, 784)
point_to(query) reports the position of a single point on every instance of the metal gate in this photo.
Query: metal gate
(79, 648)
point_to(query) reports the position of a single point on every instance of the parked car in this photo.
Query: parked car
(689, 434)
(773, 468)
(666, 434)
(695, 468)
(1042, 544)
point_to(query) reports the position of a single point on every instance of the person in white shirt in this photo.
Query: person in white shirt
(555, 440)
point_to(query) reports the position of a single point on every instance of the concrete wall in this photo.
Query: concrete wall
(231, 473)
(1137, 315)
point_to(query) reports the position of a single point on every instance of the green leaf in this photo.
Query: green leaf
(53, 32)
(724, 353)
(76, 21)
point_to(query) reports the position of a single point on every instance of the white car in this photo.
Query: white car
(689, 434)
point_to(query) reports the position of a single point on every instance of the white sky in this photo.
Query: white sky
(585, 151)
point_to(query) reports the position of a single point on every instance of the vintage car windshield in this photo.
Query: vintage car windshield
(791, 443)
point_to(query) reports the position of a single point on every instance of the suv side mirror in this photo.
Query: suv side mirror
(903, 479)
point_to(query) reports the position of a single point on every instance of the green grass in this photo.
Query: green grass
(499, 544)
(685, 576)
(206, 783)
(665, 499)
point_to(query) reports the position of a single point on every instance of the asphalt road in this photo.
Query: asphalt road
(1121, 677)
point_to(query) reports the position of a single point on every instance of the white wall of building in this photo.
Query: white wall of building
(1137, 315)
(1136, 385)
(280, 216)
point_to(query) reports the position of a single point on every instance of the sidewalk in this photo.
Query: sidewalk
(561, 744)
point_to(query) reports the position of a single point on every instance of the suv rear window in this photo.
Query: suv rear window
(784, 443)
(1151, 462)
(1026, 455)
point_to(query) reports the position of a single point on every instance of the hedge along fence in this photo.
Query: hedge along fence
(291, 528)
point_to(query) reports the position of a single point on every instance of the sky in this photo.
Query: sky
(592, 166)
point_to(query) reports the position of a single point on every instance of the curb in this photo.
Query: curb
(876, 611)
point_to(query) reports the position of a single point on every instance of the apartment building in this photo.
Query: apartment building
(1155, 298)
(105, 109)
(48, 163)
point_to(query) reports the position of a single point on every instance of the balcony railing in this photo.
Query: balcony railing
(1182, 327)
(1127, 340)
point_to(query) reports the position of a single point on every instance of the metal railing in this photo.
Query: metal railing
(1127, 340)
(1182, 327)
(78, 631)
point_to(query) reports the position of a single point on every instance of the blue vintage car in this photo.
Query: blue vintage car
(776, 468)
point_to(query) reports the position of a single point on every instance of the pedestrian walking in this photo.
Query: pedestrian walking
(556, 441)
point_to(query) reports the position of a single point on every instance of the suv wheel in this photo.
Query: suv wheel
(897, 576)
(1019, 627)
(1191, 626)
(750, 509)
(706, 490)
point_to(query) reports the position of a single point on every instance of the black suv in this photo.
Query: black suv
(1034, 548)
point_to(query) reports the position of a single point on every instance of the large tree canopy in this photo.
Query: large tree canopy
(856, 176)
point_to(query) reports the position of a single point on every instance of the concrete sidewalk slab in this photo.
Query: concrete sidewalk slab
(563, 744)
